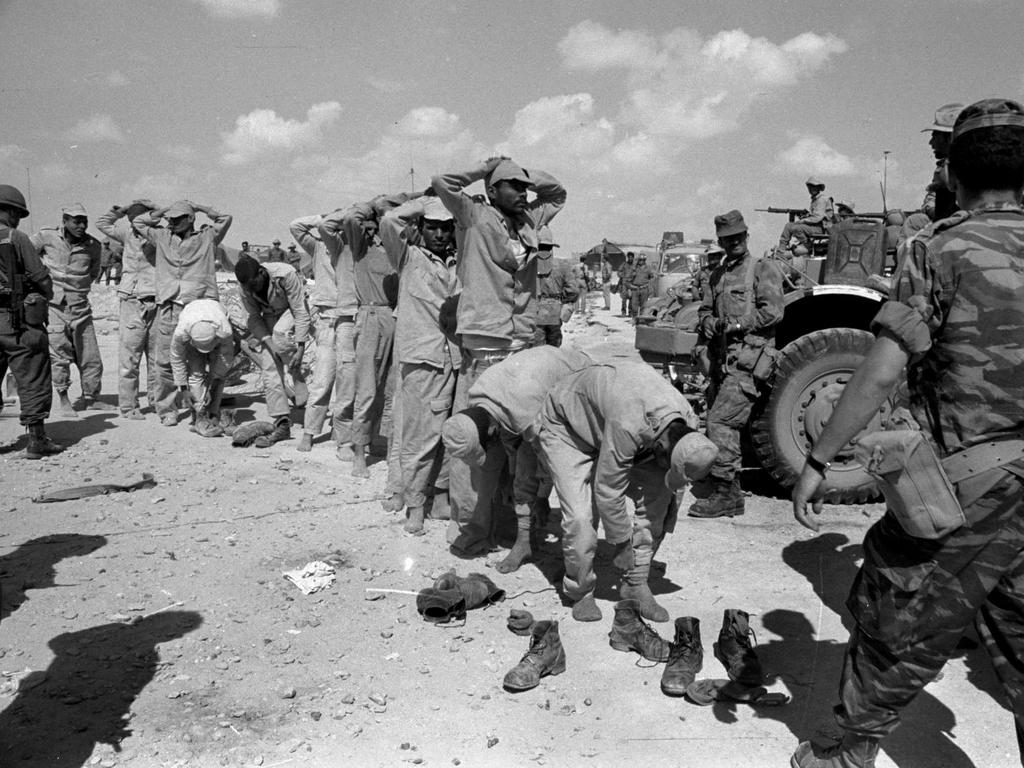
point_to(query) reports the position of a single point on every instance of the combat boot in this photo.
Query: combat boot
(733, 649)
(725, 501)
(685, 657)
(39, 445)
(852, 752)
(282, 431)
(545, 657)
(631, 633)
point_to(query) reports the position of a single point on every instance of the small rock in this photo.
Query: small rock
(380, 699)
(587, 702)
(491, 741)
(348, 699)
(288, 693)
(316, 716)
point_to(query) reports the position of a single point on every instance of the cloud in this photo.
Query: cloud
(262, 131)
(97, 128)
(386, 86)
(238, 8)
(812, 155)
(560, 130)
(116, 79)
(682, 85)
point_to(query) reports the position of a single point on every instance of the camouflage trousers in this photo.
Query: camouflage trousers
(913, 599)
(728, 414)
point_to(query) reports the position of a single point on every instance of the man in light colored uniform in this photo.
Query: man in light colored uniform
(202, 353)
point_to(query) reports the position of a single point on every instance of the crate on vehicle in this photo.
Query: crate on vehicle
(665, 340)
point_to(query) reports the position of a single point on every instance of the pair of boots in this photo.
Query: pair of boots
(685, 656)
(39, 445)
(725, 501)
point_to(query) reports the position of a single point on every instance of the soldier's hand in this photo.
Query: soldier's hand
(807, 504)
(295, 358)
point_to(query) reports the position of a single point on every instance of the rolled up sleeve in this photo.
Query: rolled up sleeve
(913, 310)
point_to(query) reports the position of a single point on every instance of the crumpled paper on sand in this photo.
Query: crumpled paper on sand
(312, 577)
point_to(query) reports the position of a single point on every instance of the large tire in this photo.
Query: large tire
(809, 377)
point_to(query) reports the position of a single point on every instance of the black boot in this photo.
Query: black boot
(685, 658)
(282, 431)
(39, 445)
(733, 649)
(631, 633)
(545, 657)
(726, 501)
(852, 752)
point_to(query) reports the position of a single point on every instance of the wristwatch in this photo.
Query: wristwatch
(821, 467)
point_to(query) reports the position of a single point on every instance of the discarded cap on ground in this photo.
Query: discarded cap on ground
(945, 116)
(180, 208)
(988, 113)
(506, 170)
(692, 458)
(814, 181)
(204, 335)
(461, 437)
(74, 209)
(544, 237)
(730, 223)
(435, 210)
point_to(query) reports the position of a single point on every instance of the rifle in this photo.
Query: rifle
(16, 286)
(793, 213)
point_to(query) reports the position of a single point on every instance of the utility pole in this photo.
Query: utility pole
(885, 177)
(412, 179)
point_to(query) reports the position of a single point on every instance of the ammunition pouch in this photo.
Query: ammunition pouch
(764, 366)
(36, 311)
(928, 495)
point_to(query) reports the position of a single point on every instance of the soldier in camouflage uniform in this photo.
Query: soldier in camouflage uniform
(738, 315)
(626, 272)
(955, 315)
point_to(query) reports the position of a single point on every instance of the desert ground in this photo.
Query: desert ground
(155, 628)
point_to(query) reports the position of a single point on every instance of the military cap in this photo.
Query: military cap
(204, 335)
(945, 116)
(74, 209)
(434, 210)
(291, 247)
(730, 223)
(276, 241)
(180, 208)
(988, 113)
(814, 181)
(692, 458)
(506, 170)
(462, 435)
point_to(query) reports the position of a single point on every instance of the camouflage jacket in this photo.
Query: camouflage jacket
(725, 303)
(956, 309)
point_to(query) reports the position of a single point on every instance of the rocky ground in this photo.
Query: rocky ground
(155, 628)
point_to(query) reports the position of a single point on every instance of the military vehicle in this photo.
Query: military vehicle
(824, 334)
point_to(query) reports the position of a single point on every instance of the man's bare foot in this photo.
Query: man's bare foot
(414, 522)
(393, 503)
(305, 443)
(520, 553)
(359, 468)
(65, 408)
(344, 452)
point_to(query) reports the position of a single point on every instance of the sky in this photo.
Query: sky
(654, 115)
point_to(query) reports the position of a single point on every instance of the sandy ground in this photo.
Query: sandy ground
(155, 628)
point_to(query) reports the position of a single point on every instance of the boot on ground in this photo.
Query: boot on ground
(282, 431)
(734, 650)
(545, 657)
(685, 658)
(39, 445)
(726, 501)
(852, 752)
(631, 633)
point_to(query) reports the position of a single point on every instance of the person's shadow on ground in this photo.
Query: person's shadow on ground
(31, 565)
(72, 431)
(811, 667)
(85, 696)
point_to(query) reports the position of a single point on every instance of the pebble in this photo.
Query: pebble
(381, 699)
(491, 741)
(288, 693)
(348, 699)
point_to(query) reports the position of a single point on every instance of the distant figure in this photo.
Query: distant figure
(640, 286)
(606, 283)
(939, 201)
(813, 223)
(294, 258)
(626, 272)
(274, 253)
(555, 287)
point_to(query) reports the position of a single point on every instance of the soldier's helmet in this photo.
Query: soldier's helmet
(11, 197)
